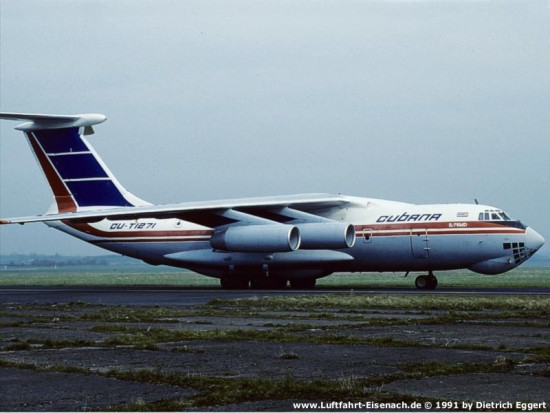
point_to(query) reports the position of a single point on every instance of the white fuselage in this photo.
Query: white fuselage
(390, 236)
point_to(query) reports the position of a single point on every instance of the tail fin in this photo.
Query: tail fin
(77, 176)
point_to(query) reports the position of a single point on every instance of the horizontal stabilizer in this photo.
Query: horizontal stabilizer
(44, 122)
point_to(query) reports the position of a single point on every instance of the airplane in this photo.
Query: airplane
(267, 242)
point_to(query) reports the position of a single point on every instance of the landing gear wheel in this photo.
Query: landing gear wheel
(426, 282)
(258, 284)
(234, 282)
(303, 283)
(277, 283)
(268, 283)
(432, 282)
(421, 282)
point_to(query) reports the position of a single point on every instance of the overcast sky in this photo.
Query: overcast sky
(416, 101)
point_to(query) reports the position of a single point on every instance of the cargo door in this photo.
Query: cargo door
(420, 243)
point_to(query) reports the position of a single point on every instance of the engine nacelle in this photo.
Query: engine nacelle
(257, 238)
(327, 235)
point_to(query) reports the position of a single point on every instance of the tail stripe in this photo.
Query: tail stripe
(61, 140)
(74, 172)
(96, 192)
(63, 198)
(78, 166)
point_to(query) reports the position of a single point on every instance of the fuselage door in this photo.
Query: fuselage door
(420, 243)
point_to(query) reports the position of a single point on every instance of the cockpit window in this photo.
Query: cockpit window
(494, 215)
(497, 216)
(505, 216)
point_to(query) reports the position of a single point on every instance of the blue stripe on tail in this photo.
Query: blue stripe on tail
(61, 140)
(78, 166)
(92, 193)
(79, 169)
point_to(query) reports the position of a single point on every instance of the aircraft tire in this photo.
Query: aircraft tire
(234, 282)
(432, 283)
(426, 282)
(303, 283)
(258, 284)
(421, 282)
(277, 283)
(265, 283)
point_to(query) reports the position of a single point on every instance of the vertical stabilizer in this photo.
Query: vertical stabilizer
(79, 179)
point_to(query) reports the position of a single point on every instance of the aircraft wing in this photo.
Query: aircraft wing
(210, 213)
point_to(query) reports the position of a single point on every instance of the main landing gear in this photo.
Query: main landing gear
(234, 283)
(237, 282)
(426, 282)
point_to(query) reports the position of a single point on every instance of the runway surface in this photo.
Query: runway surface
(78, 355)
(174, 296)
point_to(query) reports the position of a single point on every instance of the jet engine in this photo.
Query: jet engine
(326, 235)
(257, 238)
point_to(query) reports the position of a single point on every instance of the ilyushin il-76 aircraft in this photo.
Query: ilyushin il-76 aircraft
(264, 242)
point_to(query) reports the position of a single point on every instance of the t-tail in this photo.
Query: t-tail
(79, 179)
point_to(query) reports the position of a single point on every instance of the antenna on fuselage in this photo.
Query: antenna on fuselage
(475, 200)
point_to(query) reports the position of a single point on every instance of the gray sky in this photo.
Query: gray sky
(416, 101)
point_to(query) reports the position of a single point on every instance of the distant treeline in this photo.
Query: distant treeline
(38, 260)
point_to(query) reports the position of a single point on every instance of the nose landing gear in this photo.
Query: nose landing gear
(426, 282)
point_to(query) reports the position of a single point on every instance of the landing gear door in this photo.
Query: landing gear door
(420, 243)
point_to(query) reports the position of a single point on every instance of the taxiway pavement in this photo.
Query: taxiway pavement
(174, 296)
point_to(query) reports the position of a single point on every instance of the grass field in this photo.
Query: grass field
(165, 276)
(264, 352)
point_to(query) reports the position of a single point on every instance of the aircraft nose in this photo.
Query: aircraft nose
(533, 240)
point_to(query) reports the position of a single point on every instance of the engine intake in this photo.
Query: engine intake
(327, 235)
(257, 238)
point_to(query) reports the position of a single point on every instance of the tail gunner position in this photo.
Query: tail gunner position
(263, 242)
